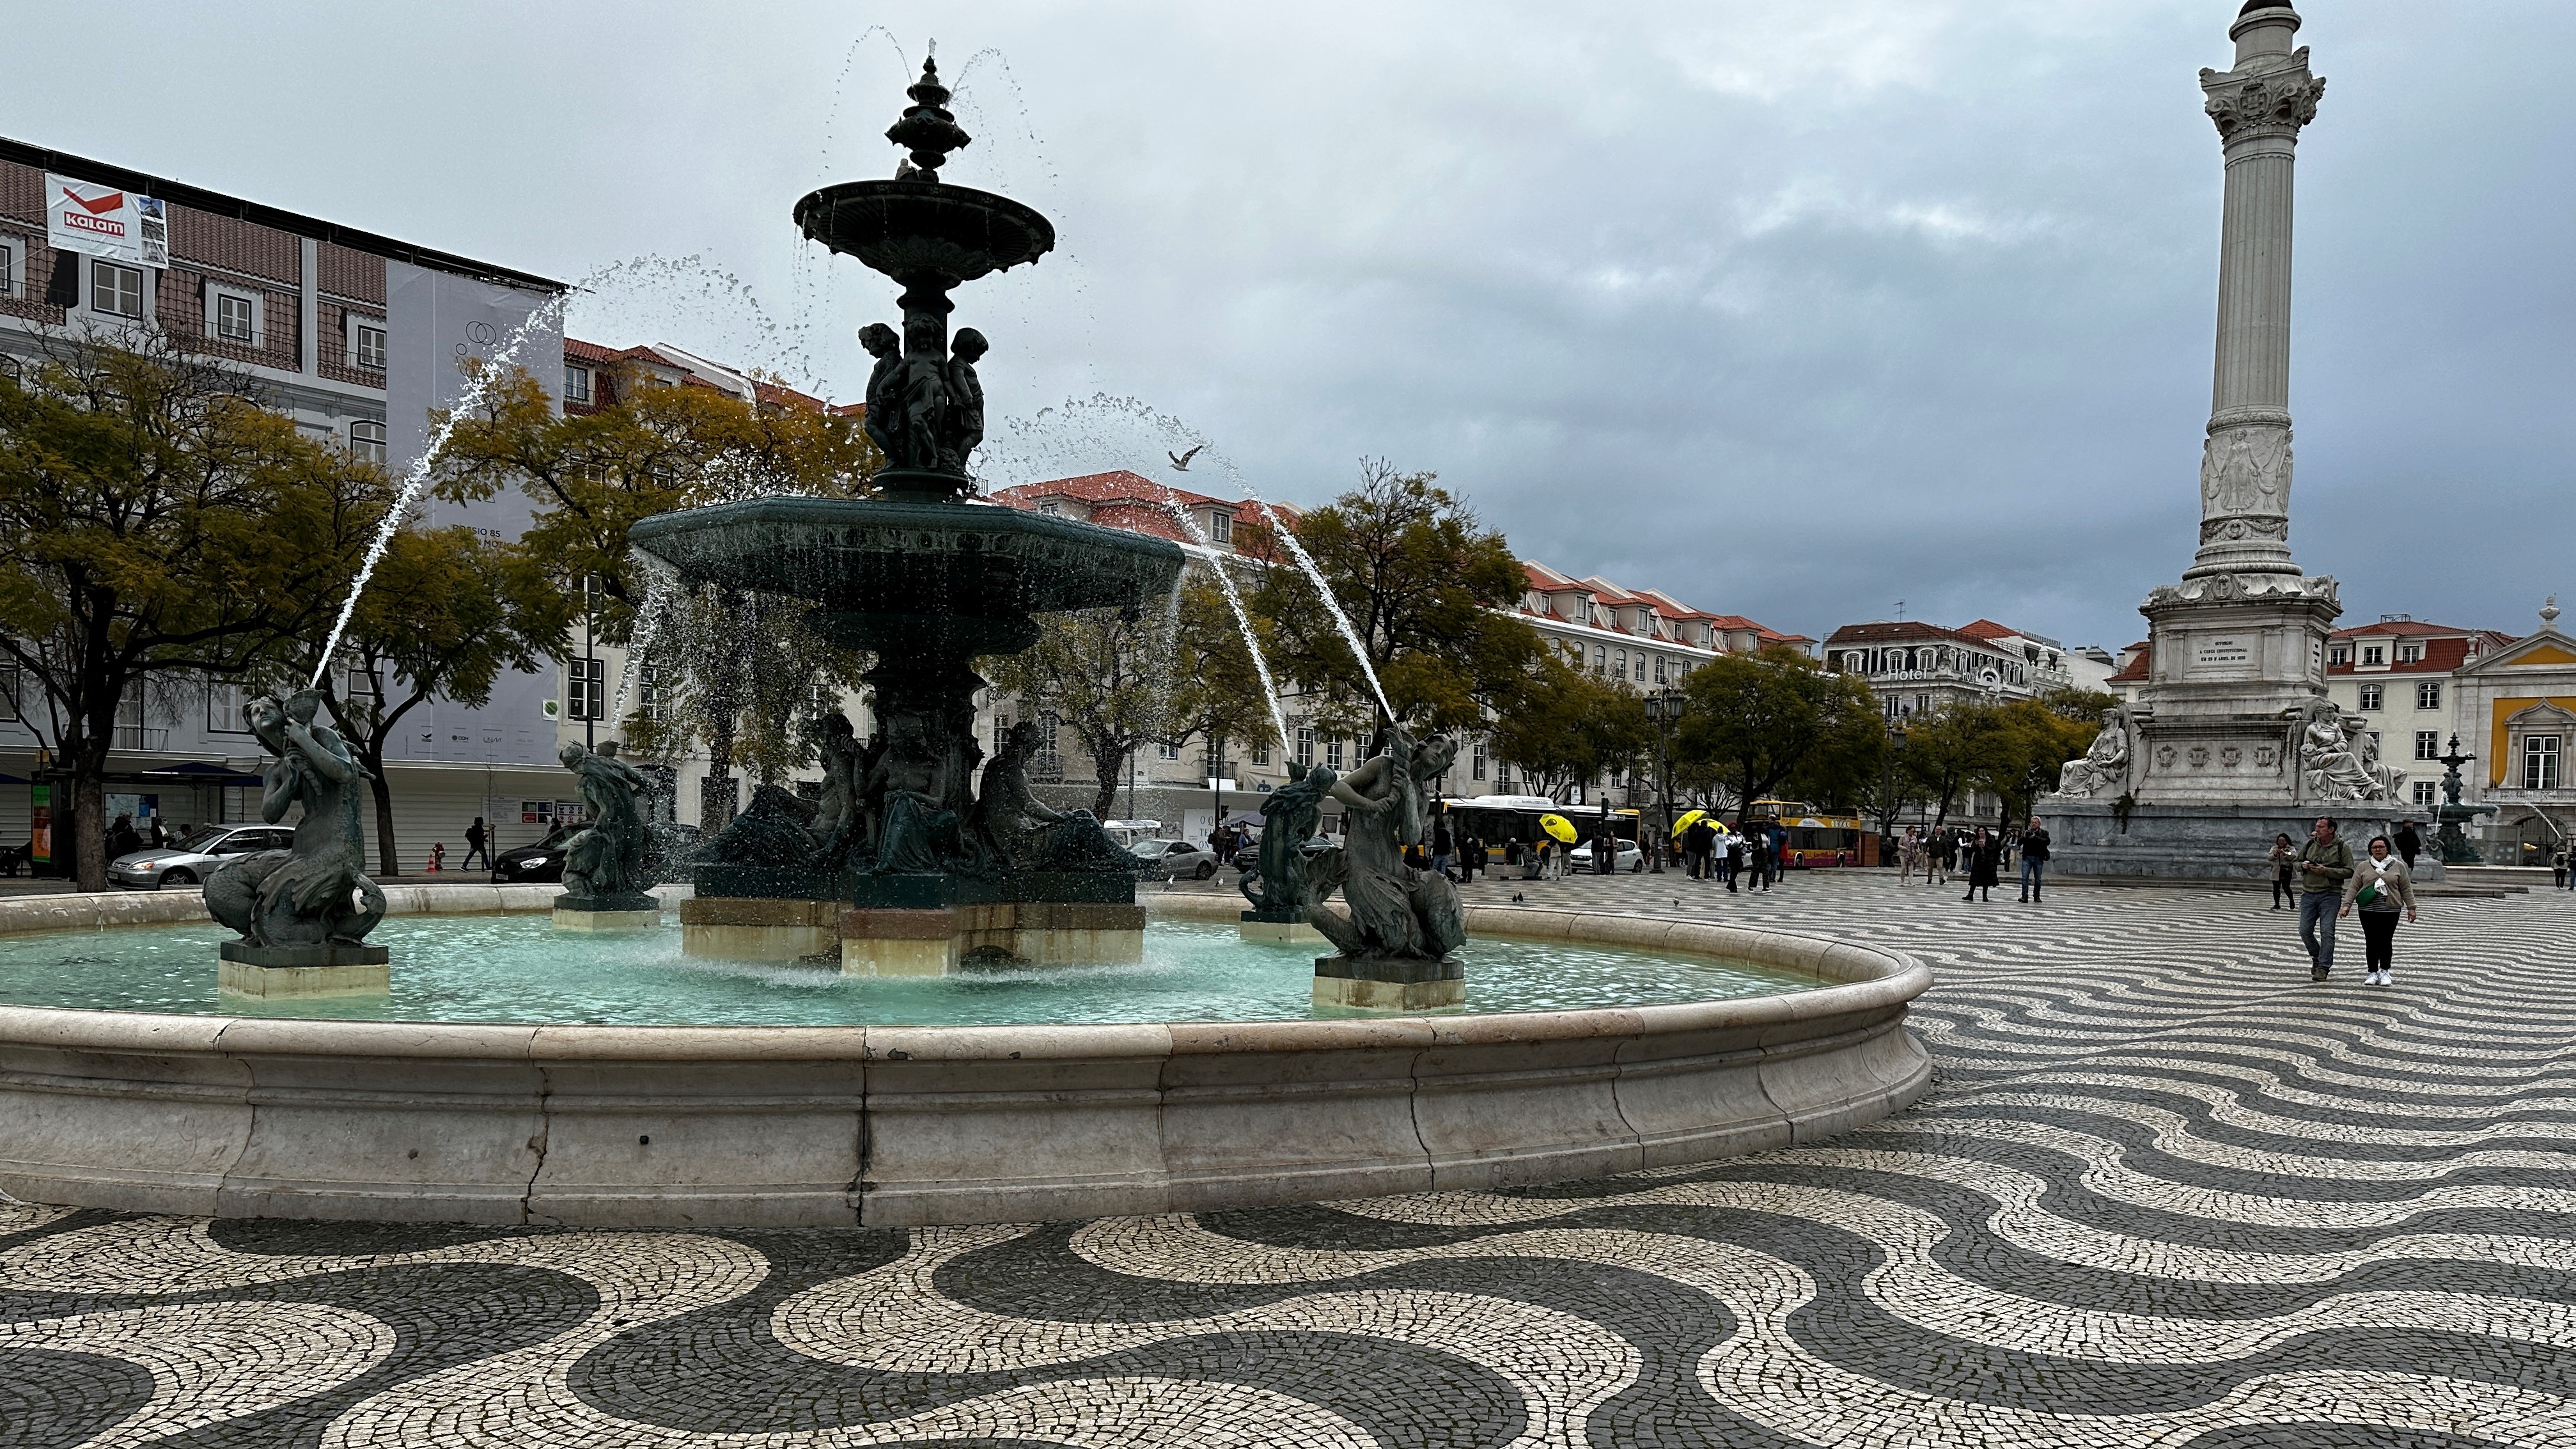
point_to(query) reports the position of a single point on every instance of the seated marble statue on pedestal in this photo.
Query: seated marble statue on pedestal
(2104, 767)
(604, 862)
(1396, 911)
(2331, 764)
(314, 899)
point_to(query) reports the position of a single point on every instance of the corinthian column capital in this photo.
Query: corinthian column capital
(2268, 96)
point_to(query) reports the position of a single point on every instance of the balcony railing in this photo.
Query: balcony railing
(141, 737)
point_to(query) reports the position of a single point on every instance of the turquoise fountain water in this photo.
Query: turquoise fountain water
(517, 969)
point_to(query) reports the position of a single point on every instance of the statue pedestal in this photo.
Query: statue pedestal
(1278, 929)
(935, 942)
(1408, 983)
(2202, 843)
(274, 972)
(607, 913)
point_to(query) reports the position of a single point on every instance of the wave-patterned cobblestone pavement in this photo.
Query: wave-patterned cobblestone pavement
(2165, 1192)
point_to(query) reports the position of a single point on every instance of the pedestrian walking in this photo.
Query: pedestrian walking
(2381, 887)
(2408, 843)
(2284, 859)
(1731, 856)
(1471, 857)
(1909, 857)
(1441, 845)
(475, 838)
(1985, 860)
(2325, 863)
(1761, 860)
(2034, 860)
(2558, 869)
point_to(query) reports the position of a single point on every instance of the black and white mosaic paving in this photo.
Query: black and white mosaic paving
(2166, 1192)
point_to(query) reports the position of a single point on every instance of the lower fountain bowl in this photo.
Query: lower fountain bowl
(679, 1126)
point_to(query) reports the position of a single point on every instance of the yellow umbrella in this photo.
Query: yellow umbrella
(1689, 819)
(1558, 826)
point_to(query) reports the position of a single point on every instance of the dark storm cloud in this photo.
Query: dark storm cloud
(1794, 310)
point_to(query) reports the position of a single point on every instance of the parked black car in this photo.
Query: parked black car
(541, 863)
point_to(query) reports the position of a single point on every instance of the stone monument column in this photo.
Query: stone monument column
(2258, 108)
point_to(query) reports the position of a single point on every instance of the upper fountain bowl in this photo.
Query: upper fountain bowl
(913, 228)
(907, 572)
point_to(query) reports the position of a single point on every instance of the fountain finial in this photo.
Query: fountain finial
(926, 128)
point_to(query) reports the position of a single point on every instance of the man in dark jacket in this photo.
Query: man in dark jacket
(2325, 863)
(2034, 859)
(2408, 843)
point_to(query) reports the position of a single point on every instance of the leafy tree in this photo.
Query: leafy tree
(2035, 739)
(741, 673)
(1121, 679)
(1420, 579)
(1952, 750)
(1756, 720)
(594, 476)
(1568, 727)
(445, 613)
(158, 526)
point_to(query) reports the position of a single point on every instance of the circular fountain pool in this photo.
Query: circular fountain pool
(580, 1080)
(516, 969)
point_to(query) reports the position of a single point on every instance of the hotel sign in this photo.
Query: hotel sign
(106, 221)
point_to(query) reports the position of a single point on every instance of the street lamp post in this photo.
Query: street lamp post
(1663, 711)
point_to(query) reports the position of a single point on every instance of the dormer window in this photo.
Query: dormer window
(2410, 653)
(2373, 654)
(2342, 655)
(1220, 526)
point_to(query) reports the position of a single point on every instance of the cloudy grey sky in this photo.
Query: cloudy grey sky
(1793, 309)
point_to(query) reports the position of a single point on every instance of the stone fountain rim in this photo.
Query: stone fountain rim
(1852, 979)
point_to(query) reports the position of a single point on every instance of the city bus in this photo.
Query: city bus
(1816, 837)
(1495, 819)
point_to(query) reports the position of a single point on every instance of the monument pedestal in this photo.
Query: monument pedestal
(607, 913)
(1278, 928)
(2201, 842)
(276, 972)
(1408, 983)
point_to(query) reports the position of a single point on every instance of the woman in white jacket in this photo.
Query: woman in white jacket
(2380, 887)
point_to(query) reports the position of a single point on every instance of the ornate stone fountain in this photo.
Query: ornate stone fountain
(905, 864)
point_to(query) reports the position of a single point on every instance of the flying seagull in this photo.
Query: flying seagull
(1181, 461)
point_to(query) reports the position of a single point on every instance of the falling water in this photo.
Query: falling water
(476, 389)
(1323, 590)
(661, 592)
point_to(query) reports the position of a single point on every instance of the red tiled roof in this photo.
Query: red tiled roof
(2441, 656)
(1900, 631)
(1115, 486)
(1989, 630)
(2406, 627)
(2135, 671)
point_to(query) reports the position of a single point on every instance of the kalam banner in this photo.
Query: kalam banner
(106, 221)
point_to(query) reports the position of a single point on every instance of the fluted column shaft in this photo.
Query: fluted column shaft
(2258, 108)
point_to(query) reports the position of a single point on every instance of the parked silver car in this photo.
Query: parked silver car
(1628, 858)
(1171, 858)
(194, 856)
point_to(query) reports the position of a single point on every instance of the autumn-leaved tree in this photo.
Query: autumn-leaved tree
(158, 526)
(444, 614)
(593, 476)
(1421, 581)
(1757, 720)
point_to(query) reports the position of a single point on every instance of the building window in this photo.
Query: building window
(1333, 756)
(586, 689)
(2373, 696)
(2428, 695)
(576, 383)
(2423, 792)
(1659, 670)
(1306, 747)
(1600, 660)
(2373, 654)
(1220, 526)
(367, 441)
(1503, 777)
(1476, 766)
(224, 709)
(2410, 653)
(366, 342)
(1619, 668)
(1049, 764)
(232, 315)
(1261, 755)
(13, 270)
(2540, 762)
(648, 693)
(116, 291)
(2428, 744)
(2341, 655)
(1166, 750)
(1050, 508)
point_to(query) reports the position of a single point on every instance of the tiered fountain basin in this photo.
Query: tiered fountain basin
(237, 1107)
